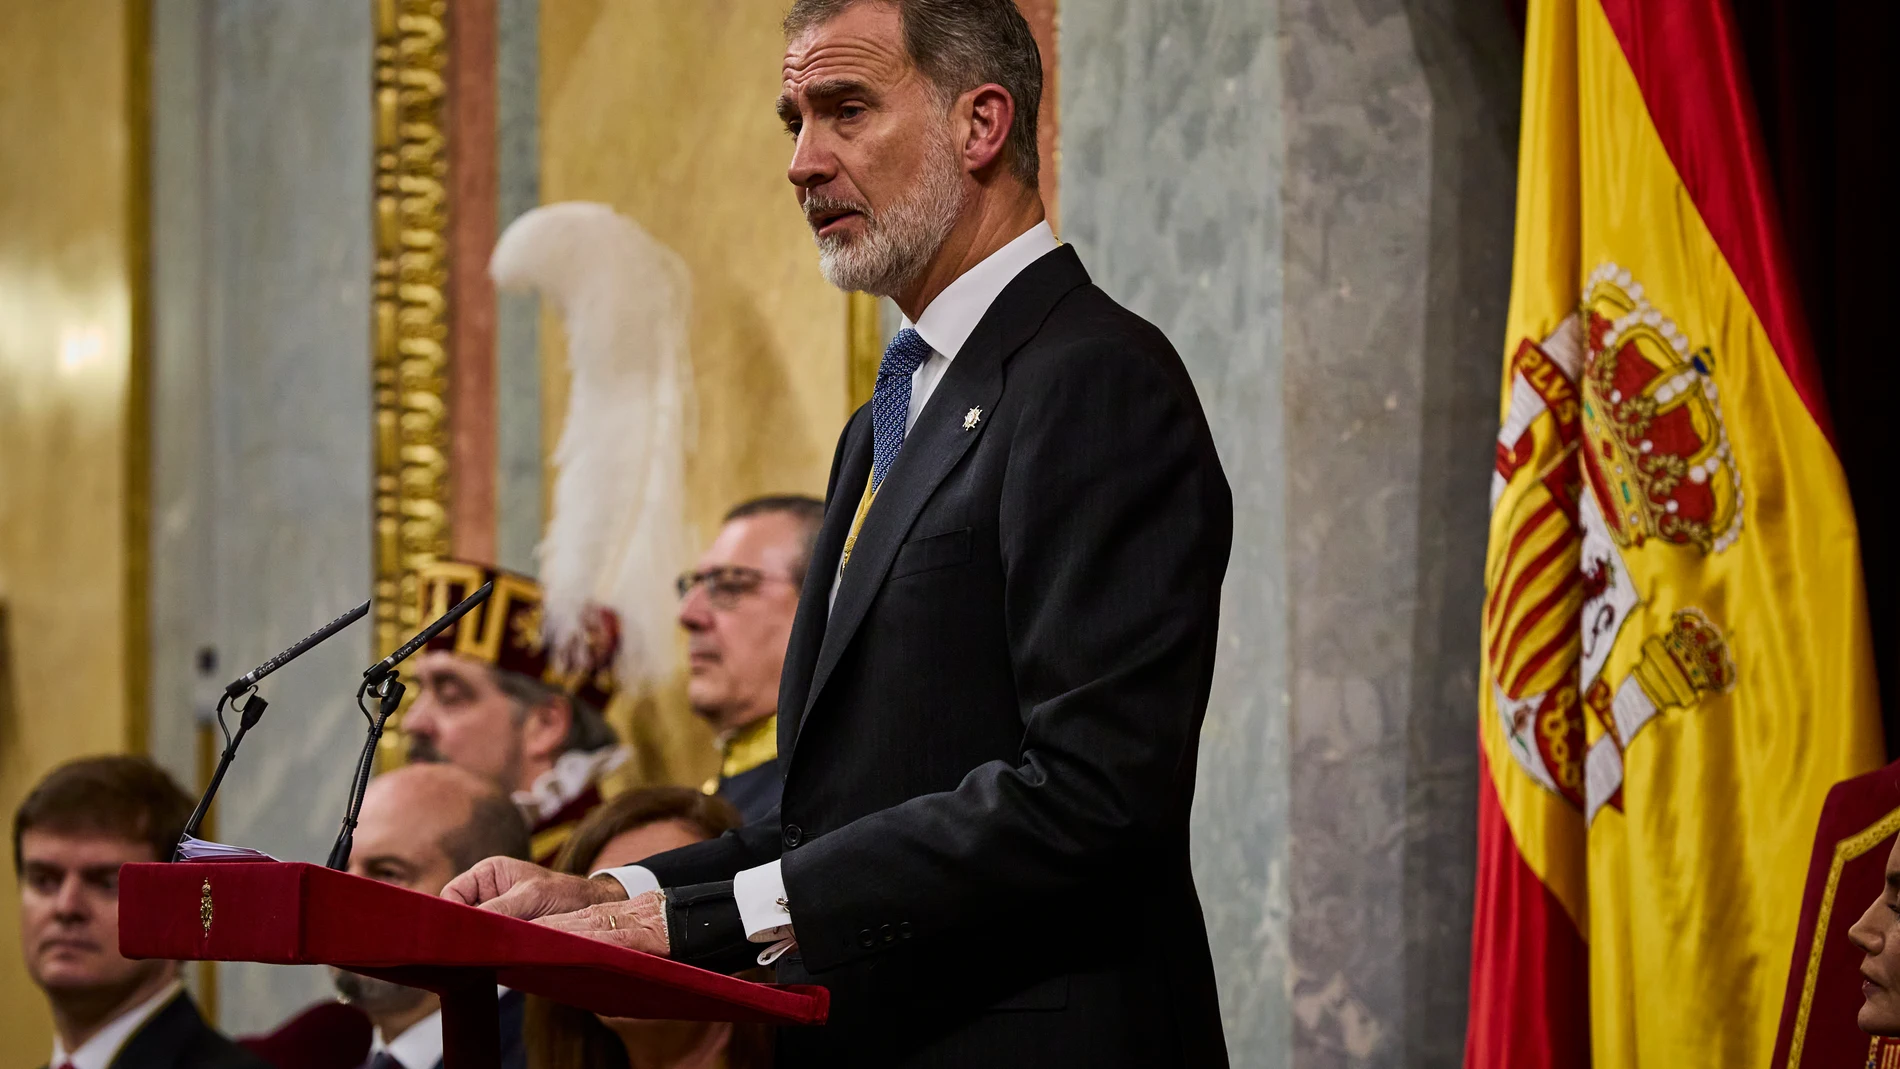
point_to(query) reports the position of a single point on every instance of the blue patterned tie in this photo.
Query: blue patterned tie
(890, 401)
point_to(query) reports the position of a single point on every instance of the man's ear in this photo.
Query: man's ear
(989, 111)
(544, 732)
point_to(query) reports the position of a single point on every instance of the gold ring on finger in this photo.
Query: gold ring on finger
(612, 923)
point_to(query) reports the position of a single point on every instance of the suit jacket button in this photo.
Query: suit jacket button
(867, 939)
(888, 934)
(793, 836)
(904, 930)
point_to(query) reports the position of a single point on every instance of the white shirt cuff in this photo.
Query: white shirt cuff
(760, 893)
(637, 879)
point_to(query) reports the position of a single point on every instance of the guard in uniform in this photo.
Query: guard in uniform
(736, 607)
(494, 698)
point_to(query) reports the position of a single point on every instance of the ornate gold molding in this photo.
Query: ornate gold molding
(864, 348)
(411, 317)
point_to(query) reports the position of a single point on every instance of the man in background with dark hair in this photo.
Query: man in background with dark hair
(737, 606)
(70, 836)
(420, 825)
(492, 698)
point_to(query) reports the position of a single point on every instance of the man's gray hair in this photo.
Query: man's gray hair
(808, 512)
(587, 729)
(959, 45)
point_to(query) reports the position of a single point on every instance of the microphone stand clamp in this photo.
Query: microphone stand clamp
(389, 692)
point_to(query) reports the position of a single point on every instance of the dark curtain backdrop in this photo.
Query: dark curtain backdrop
(1824, 83)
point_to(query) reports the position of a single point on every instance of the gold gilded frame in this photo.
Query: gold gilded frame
(411, 310)
(864, 348)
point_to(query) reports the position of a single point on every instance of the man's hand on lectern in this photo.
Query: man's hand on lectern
(521, 889)
(637, 924)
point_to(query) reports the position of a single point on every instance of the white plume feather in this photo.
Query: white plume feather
(617, 535)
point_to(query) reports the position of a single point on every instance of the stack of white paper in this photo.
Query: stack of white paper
(190, 849)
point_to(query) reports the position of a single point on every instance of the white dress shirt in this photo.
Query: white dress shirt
(98, 1052)
(418, 1047)
(946, 324)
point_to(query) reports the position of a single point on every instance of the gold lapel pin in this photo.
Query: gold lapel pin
(971, 418)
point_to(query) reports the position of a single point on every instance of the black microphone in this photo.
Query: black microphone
(381, 670)
(253, 711)
(249, 679)
(381, 680)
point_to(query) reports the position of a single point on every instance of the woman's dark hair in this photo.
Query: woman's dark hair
(566, 1037)
(127, 797)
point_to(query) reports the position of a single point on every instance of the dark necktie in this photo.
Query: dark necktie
(382, 1059)
(890, 400)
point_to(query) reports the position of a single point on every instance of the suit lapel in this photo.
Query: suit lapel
(931, 449)
(162, 1037)
(810, 623)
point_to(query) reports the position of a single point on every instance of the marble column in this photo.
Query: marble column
(519, 498)
(262, 439)
(1314, 201)
(1172, 139)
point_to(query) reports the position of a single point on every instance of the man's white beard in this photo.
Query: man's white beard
(898, 241)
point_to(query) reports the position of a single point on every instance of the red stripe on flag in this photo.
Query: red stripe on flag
(1524, 532)
(1530, 985)
(1687, 58)
(1533, 570)
(1536, 613)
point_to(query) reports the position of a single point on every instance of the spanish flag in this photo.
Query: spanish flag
(1676, 657)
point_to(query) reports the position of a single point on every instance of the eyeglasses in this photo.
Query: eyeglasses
(725, 585)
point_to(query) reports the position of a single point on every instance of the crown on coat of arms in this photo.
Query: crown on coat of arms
(1682, 664)
(1657, 453)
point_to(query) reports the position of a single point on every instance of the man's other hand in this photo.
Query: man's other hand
(637, 924)
(521, 889)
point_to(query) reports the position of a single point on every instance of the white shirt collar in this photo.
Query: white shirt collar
(573, 772)
(418, 1047)
(948, 321)
(98, 1052)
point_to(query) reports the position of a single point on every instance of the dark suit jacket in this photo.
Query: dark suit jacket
(754, 792)
(989, 741)
(176, 1037)
(512, 1006)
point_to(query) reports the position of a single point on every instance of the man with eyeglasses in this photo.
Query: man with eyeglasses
(737, 606)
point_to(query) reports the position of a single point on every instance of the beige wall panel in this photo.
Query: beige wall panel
(663, 110)
(65, 376)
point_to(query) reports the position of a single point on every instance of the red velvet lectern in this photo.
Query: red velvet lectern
(298, 914)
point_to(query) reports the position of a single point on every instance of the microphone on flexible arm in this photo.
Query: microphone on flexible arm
(381, 677)
(253, 709)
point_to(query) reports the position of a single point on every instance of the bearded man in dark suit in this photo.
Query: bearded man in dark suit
(1000, 663)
